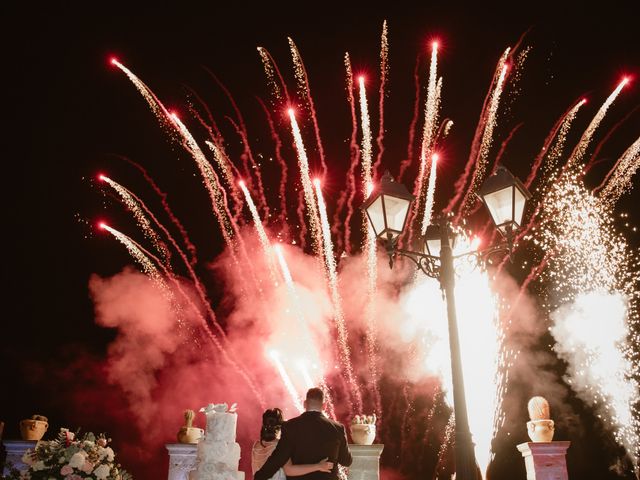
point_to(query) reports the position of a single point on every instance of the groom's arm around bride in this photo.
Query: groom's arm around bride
(307, 439)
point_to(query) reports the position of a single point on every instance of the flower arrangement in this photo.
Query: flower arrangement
(364, 420)
(71, 458)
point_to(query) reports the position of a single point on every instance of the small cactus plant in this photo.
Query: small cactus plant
(40, 418)
(538, 409)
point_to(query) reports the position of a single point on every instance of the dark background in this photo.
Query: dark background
(70, 113)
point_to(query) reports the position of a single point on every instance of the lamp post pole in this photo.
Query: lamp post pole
(466, 467)
(387, 210)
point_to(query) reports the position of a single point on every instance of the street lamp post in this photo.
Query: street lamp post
(387, 209)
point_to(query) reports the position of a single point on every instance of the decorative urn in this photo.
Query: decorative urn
(188, 433)
(363, 429)
(34, 428)
(540, 427)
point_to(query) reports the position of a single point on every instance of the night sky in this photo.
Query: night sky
(71, 115)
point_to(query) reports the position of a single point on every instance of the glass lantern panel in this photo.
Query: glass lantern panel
(376, 215)
(396, 210)
(500, 205)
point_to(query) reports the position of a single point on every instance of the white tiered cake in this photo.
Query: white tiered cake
(218, 454)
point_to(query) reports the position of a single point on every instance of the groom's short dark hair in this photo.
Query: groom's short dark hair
(315, 394)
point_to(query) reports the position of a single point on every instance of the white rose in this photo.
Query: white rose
(110, 454)
(77, 460)
(26, 458)
(102, 472)
(39, 465)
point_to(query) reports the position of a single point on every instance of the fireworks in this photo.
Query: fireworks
(395, 314)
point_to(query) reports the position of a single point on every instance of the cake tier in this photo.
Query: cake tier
(222, 426)
(227, 454)
(206, 472)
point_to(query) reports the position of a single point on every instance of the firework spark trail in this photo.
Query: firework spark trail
(137, 207)
(332, 277)
(618, 180)
(262, 234)
(305, 91)
(483, 382)
(146, 259)
(414, 121)
(136, 251)
(295, 300)
(165, 205)
(369, 246)
(492, 170)
(226, 167)
(431, 190)
(459, 186)
(312, 210)
(216, 192)
(366, 148)
(271, 67)
(283, 168)
(349, 194)
(594, 160)
(446, 442)
(286, 380)
(196, 282)
(270, 73)
(154, 103)
(581, 148)
(559, 134)
(384, 72)
(428, 132)
(211, 126)
(485, 144)
(301, 223)
(255, 167)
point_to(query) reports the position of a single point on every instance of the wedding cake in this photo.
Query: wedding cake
(218, 454)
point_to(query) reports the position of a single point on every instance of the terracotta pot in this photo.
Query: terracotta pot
(363, 433)
(190, 435)
(540, 430)
(32, 429)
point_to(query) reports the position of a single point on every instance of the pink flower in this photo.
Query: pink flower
(87, 467)
(73, 477)
(102, 442)
(66, 470)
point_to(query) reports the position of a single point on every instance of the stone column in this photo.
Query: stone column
(182, 459)
(545, 460)
(366, 462)
(15, 449)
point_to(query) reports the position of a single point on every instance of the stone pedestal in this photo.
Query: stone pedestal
(545, 460)
(182, 460)
(15, 449)
(366, 462)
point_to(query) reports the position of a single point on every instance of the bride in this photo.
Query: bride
(272, 420)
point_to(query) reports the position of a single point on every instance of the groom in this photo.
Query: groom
(308, 439)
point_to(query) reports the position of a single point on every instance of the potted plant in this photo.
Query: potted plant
(363, 429)
(540, 427)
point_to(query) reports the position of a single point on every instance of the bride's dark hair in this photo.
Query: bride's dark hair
(271, 422)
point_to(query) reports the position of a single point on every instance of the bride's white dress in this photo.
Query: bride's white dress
(259, 454)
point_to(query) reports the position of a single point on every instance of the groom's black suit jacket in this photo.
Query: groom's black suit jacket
(308, 439)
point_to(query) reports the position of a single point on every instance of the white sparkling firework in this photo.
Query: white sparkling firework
(487, 134)
(286, 379)
(595, 310)
(336, 300)
(269, 71)
(431, 190)
(130, 201)
(303, 163)
(619, 181)
(581, 148)
(262, 234)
